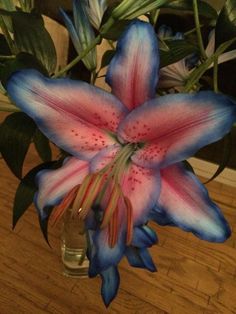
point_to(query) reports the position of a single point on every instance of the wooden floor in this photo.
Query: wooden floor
(193, 277)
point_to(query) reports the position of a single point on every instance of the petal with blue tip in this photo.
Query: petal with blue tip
(74, 115)
(144, 236)
(110, 284)
(133, 72)
(160, 216)
(103, 255)
(54, 184)
(72, 31)
(133, 257)
(187, 204)
(174, 127)
(140, 258)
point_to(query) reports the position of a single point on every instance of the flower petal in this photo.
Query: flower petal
(142, 187)
(160, 216)
(133, 257)
(110, 284)
(104, 157)
(144, 236)
(104, 256)
(133, 72)
(73, 114)
(140, 258)
(210, 49)
(185, 202)
(54, 184)
(176, 126)
(72, 31)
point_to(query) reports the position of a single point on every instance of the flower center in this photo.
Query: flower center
(103, 190)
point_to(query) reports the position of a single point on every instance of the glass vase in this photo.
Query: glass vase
(74, 246)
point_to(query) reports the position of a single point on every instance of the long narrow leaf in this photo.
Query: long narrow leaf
(226, 154)
(226, 23)
(204, 8)
(16, 133)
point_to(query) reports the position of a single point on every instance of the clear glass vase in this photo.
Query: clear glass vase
(74, 246)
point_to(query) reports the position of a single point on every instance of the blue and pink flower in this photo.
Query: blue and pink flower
(126, 153)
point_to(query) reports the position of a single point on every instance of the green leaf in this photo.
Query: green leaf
(134, 8)
(106, 58)
(204, 8)
(25, 192)
(31, 36)
(4, 49)
(178, 49)
(195, 76)
(7, 5)
(226, 154)
(44, 222)
(116, 30)
(22, 61)
(16, 133)
(226, 23)
(42, 146)
(188, 166)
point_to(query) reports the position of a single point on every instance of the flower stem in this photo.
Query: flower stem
(198, 30)
(96, 41)
(94, 75)
(78, 58)
(203, 67)
(110, 42)
(7, 57)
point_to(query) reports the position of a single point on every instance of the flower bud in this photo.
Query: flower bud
(81, 33)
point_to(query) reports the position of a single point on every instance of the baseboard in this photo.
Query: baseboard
(207, 169)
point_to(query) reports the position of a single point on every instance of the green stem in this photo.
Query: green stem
(198, 30)
(32, 4)
(78, 58)
(111, 44)
(96, 41)
(7, 35)
(215, 75)
(193, 30)
(7, 57)
(94, 75)
(203, 67)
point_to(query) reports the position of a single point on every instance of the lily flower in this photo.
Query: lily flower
(126, 149)
(81, 33)
(176, 74)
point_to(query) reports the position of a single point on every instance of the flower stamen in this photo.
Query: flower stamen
(91, 195)
(63, 206)
(113, 229)
(112, 205)
(82, 193)
(129, 209)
